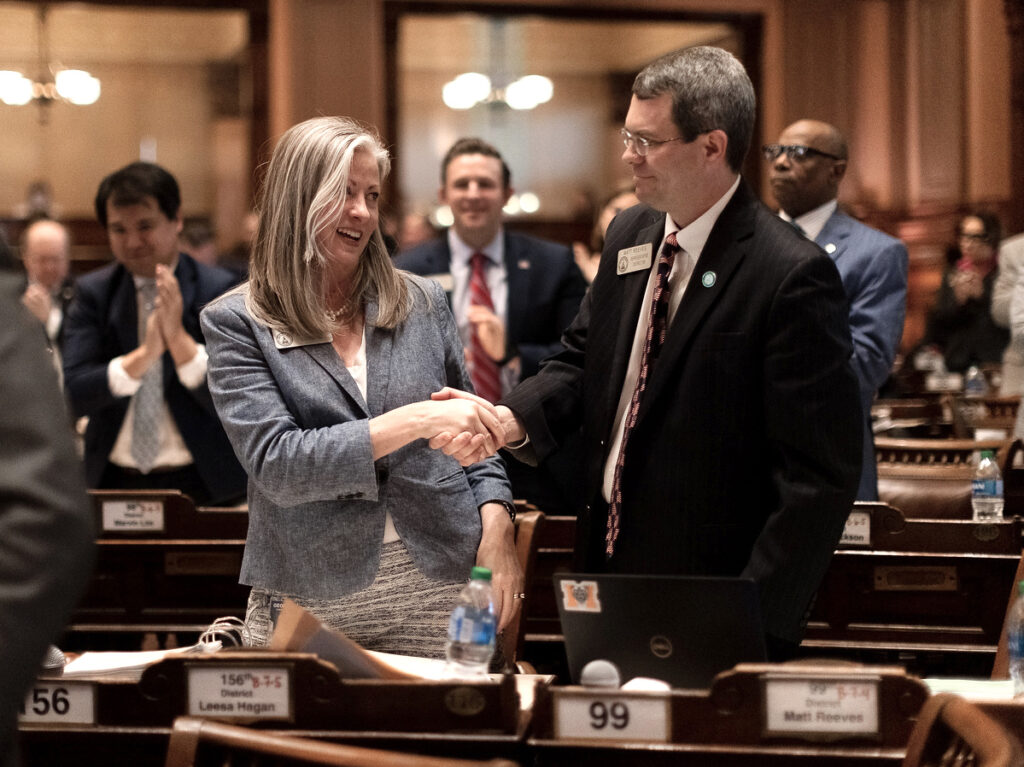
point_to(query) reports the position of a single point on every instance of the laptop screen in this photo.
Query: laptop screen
(677, 628)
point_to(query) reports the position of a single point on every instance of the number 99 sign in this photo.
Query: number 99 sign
(589, 716)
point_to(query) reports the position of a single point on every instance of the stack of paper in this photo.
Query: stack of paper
(127, 665)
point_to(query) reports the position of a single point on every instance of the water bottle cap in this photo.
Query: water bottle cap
(987, 454)
(480, 573)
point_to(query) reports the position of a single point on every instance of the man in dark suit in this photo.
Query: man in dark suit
(534, 288)
(806, 167)
(134, 359)
(730, 442)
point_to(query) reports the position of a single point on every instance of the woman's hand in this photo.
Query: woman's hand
(469, 422)
(465, 446)
(497, 551)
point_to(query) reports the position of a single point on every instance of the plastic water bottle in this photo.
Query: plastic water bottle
(987, 490)
(1015, 642)
(471, 630)
(974, 383)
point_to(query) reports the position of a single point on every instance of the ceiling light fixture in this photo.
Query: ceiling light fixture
(472, 88)
(74, 86)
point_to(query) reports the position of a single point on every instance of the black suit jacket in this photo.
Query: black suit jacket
(746, 453)
(545, 288)
(102, 323)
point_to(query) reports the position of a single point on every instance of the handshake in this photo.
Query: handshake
(468, 427)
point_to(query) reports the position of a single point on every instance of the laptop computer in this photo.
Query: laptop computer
(677, 628)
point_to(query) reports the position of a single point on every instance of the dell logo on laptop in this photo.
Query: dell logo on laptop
(661, 646)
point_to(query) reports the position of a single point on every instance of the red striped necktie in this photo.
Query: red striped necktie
(657, 326)
(483, 370)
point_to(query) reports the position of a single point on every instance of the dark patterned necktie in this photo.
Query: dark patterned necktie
(483, 370)
(657, 326)
(150, 395)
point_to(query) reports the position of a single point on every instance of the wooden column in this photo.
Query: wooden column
(1015, 28)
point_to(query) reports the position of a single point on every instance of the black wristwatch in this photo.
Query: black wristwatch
(510, 354)
(509, 507)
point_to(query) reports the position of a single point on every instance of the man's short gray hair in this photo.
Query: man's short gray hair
(710, 90)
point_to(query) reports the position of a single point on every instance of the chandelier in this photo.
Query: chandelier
(55, 83)
(472, 88)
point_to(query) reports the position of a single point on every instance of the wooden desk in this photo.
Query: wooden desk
(298, 693)
(162, 566)
(739, 721)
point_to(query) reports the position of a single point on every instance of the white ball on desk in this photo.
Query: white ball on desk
(600, 673)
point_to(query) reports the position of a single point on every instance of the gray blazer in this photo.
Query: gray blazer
(300, 428)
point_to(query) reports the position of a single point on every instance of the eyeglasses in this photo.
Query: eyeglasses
(640, 145)
(974, 236)
(796, 152)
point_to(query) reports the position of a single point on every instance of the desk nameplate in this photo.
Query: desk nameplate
(816, 707)
(240, 692)
(131, 516)
(612, 715)
(857, 531)
(59, 702)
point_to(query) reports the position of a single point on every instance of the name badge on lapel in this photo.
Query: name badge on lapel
(634, 259)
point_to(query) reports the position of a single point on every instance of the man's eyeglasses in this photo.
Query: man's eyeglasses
(796, 152)
(641, 145)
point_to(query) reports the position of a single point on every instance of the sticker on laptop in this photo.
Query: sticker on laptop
(580, 596)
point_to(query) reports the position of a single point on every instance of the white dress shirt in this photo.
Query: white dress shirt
(691, 239)
(497, 284)
(173, 451)
(813, 221)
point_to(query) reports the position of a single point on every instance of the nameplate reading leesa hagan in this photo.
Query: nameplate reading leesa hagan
(583, 715)
(133, 516)
(59, 703)
(822, 706)
(256, 692)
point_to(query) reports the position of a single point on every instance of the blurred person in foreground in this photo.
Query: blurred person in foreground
(46, 531)
(322, 367)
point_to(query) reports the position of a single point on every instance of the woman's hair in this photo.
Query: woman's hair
(303, 192)
(989, 220)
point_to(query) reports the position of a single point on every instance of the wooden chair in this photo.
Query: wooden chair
(932, 477)
(990, 412)
(951, 732)
(197, 742)
(529, 523)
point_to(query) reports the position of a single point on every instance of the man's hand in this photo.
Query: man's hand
(37, 300)
(489, 329)
(169, 309)
(461, 446)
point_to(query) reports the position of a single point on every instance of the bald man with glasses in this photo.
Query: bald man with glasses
(805, 169)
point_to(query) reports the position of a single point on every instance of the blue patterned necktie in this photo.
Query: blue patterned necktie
(657, 327)
(150, 395)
